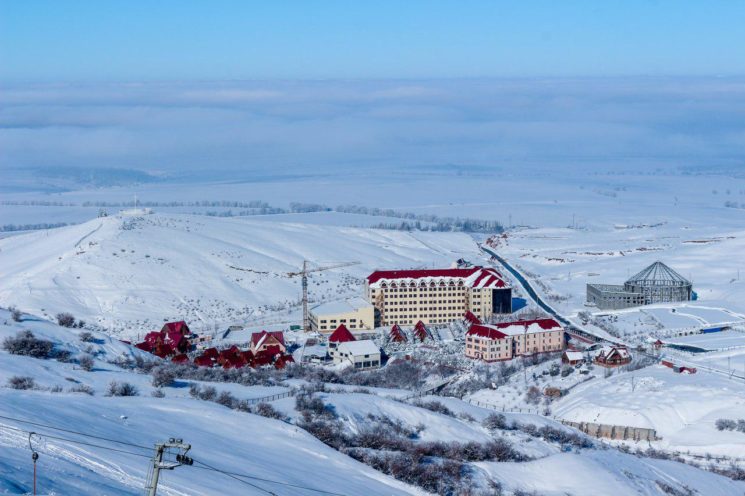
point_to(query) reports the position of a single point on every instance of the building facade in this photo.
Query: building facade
(362, 355)
(436, 296)
(354, 313)
(508, 340)
(613, 297)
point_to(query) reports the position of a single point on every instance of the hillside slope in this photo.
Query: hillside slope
(130, 273)
(248, 444)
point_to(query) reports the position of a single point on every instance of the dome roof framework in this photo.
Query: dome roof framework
(660, 284)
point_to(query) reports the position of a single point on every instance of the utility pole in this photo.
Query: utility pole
(306, 317)
(151, 487)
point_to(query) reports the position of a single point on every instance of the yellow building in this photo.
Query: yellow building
(437, 296)
(509, 340)
(355, 313)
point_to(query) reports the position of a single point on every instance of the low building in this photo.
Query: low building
(508, 340)
(261, 341)
(657, 283)
(362, 355)
(340, 335)
(355, 313)
(612, 356)
(572, 357)
(437, 296)
(612, 297)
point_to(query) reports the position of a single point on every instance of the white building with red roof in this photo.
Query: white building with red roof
(508, 340)
(437, 296)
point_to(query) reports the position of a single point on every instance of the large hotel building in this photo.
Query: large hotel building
(436, 296)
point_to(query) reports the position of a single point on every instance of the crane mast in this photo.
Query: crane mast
(304, 273)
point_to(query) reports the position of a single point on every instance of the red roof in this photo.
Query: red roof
(341, 335)
(543, 323)
(397, 335)
(258, 336)
(486, 276)
(492, 331)
(152, 338)
(211, 353)
(178, 327)
(180, 359)
(420, 331)
(485, 332)
(144, 346)
(470, 317)
(203, 361)
(417, 274)
(283, 360)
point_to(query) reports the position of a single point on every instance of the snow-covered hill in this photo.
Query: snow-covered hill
(230, 440)
(682, 408)
(129, 273)
(273, 450)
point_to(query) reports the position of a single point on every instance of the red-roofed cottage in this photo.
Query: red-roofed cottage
(507, 340)
(612, 356)
(260, 341)
(437, 296)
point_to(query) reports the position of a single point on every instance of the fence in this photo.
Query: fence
(620, 432)
(503, 409)
(273, 397)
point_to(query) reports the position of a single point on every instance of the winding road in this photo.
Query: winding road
(583, 334)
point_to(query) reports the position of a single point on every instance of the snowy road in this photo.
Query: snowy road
(584, 333)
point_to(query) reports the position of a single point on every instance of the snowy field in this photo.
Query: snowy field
(714, 341)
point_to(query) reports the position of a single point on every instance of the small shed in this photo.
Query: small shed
(572, 357)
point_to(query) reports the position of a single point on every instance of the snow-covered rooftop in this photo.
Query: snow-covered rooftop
(341, 306)
(474, 277)
(504, 329)
(363, 347)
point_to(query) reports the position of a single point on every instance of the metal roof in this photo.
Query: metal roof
(658, 274)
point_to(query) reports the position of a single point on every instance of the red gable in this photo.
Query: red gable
(179, 327)
(341, 335)
(485, 332)
(259, 336)
(397, 335)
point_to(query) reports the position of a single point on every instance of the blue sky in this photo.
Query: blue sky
(208, 40)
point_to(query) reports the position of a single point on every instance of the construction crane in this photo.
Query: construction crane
(304, 273)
